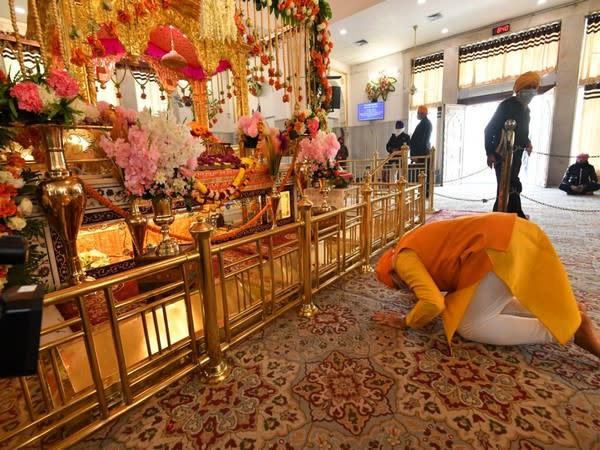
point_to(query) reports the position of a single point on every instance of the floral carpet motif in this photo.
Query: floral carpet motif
(345, 390)
(341, 381)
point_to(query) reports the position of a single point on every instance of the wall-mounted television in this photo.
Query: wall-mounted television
(371, 111)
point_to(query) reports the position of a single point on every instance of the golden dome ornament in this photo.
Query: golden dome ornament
(172, 59)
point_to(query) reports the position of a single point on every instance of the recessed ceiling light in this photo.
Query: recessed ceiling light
(444, 30)
(19, 10)
(541, 2)
(421, 2)
(343, 31)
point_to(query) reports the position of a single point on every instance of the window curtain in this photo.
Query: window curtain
(427, 77)
(590, 117)
(590, 63)
(149, 92)
(31, 57)
(504, 59)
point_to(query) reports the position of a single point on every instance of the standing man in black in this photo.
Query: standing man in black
(420, 140)
(515, 108)
(420, 145)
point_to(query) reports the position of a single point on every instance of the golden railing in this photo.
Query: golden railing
(396, 166)
(186, 311)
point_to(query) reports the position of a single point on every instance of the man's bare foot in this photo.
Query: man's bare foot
(586, 337)
(389, 318)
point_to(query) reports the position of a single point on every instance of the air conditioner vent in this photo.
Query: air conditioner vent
(434, 17)
(361, 42)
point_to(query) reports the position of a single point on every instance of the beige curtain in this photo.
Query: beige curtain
(590, 61)
(504, 59)
(427, 75)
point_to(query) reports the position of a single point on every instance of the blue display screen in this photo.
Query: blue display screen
(371, 111)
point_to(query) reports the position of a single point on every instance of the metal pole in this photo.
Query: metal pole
(404, 162)
(308, 308)
(507, 142)
(217, 368)
(367, 220)
(431, 177)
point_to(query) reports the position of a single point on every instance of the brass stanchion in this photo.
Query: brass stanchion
(367, 220)
(217, 369)
(507, 141)
(431, 178)
(308, 308)
(404, 161)
(422, 190)
(401, 199)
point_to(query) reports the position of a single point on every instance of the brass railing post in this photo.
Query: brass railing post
(404, 157)
(422, 190)
(367, 221)
(431, 178)
(507, 142)
(217, 368)
(308, 308)
(401, 184)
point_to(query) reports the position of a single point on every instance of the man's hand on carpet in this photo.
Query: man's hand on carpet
(389, 319)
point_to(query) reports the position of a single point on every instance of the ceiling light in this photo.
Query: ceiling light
(444, 30)
(343, 31)
(19, 10)
(421, 2)
(541, 2)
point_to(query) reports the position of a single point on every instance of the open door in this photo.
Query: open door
(534, 169)
(453, 144)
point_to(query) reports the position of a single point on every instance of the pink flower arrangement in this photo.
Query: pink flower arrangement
(320, 148)
(158, 155)
(63, 84)
(250, 125)
(41, 97)
(28, 96)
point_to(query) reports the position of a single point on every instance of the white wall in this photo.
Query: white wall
(360, 74)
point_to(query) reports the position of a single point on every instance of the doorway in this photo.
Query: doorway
(466, 162)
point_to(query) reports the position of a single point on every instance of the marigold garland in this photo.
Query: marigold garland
(203, 194)
(267, 207)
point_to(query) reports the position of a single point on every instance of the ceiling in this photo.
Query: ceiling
(387, 25)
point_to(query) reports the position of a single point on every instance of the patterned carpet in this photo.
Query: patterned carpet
(340, 381)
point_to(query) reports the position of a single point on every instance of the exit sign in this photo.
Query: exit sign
(501, 29)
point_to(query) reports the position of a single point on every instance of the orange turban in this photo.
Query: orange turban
(422, 109)
(527, 80)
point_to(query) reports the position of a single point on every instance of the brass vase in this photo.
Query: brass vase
(324, 188)
(301, 172)
(62, 197)
(137, 223)
(275, 197)
(163, 217)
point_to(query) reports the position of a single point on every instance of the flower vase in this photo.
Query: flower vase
(62, 197)
(137, 223)
(302, 177)
(324, 188)
(163, 217)
(275, 197)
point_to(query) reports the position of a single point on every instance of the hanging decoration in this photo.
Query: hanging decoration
(217, 21)
(172, 59)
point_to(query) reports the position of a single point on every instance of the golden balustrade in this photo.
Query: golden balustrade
(188, 310)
